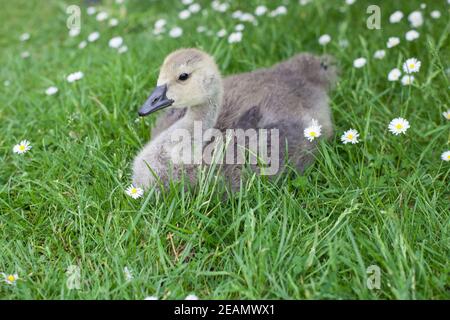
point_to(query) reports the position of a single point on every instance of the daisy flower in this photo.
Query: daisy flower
(101, 16)
(412, 65)
(396, 17)
(25, 55)
(281, 10)
(176, 32)
(221, 33)
(394, 74)
(350, 136)
(186, 2)
(113, 22)
(191, 297)
(313, 131)
(185, 14)
(350, 2)
(445, 156)
(194, 8)
(82, 45)
(134, 192)
(115, 42)
(239, 27)
(379, 54)
(122, 49)
(151, 298)
(324, 39)
(412, 35)
(75, 76)
(23, 147)
(235, 37)
(160, 23)
(260, 10)
(446, 114)
(93, 36)
(51, 91)
(435, 14)
(392, 42)
(201, 29)
(407, 80)
(416, 19)
(128, 274)
(359, 63)
(91, 10)
(10, 279)
(398, 126)
(304, 2)
(24, 37)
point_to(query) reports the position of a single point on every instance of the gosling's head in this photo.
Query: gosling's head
(188, 78)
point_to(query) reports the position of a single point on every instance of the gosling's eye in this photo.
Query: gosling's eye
(183, 77)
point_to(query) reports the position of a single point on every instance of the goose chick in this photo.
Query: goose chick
(189, 82)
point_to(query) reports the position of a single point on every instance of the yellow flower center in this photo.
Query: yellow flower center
(11, 278)
(312, 134)
(133, 190)
(350, 136)
(448, 157)
(399, 126)
(22, 147)
(412, 65)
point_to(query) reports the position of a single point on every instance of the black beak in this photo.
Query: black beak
(156, 101)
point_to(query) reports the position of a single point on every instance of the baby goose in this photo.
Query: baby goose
(286, 97)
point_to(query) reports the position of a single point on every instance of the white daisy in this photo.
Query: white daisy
(407, 80)
(25, 54)
(379, 54)
(122, 49)
(221, 33)
(446, 114)
(160, 23)
(113, 22)
(183, 15)
(128, 274)
(220, 7)
(82, 45)
(324, 39)
(359, 63)
(75, 76)
(435, 14)
(416, 19)
(281, 10)
(235, 37)
(191, 297)
(394, 74)
(10, 279)
(423, 6)
(101, 16)
(186, 2)
(392, 42)
(411, 65)
(23, 147)
(260, 10)
(201, 29)
(24, 36)
(350, 136)
(445, 156)
(134, 192)
(412, 35)
(115, 42)
(247, 17)
(176, 32)
(239, 27)
(314, 131)
(398, 126)
(304, 2)
(73, 32)
(91, 10)
(194, 8)
(396, 17)
(51, 91)
(93, 36)
(350, 2)
(151, 298)
(237, 14)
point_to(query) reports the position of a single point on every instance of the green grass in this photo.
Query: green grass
(384, 201)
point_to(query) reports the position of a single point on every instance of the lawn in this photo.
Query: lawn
(383, 202)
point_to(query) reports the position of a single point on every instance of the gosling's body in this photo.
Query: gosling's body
(286, 97)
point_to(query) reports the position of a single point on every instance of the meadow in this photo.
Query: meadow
(380, 204)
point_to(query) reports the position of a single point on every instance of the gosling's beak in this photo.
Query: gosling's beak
(156, 101)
